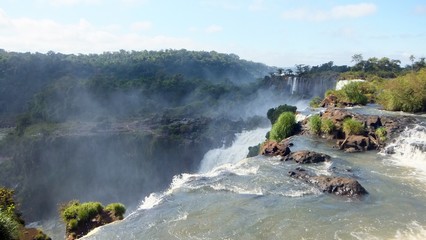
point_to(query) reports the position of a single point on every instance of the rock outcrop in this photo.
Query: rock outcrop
(341, 186)
(305, 157)
(272, 148)
(368, 139)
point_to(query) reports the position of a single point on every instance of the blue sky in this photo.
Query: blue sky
(279, 33)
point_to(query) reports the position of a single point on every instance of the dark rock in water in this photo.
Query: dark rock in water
(253, 151)
(272, 148)
(304, 157)
(356, 143)
(339, 185)
(373, 122)
(336, 185)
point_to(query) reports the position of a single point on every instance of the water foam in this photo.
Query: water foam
(216, 162)
(409, 149)
(414, 231)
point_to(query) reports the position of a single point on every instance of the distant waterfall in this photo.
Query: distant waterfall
(306, 85)
(294, 85)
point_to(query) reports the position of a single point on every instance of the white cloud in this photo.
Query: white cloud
(256, 5)
(421, 9)
(141, 26)
(213, 29)
(25, 34)
(337, 12)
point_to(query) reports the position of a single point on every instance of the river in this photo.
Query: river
(233, 197)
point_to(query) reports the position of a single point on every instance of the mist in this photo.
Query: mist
(120, 130)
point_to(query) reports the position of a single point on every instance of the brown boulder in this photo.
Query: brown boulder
(336, 185)
(329, 101)
(304, 157)
(336, 115)
(357, 143)
(272, 148)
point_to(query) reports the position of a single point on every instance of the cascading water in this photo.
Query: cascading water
(294, 85)
(254, 198)
(409, 150)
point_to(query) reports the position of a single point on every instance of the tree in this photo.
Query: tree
(412, 58)
(357, 58)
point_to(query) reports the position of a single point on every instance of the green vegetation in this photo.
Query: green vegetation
(317, 125)
(284, 127)
(80, 212)
(10, 223)
(405, 93)
(9, 227)
(80, 218)
(116, 209)
(352, 127)
(381, 133)
(22, 75)
(315, 102)
(314, 124)
(41, 236)
(327, 126)
(352, 93)
(274, 113)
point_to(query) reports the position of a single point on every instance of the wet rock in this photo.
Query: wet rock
(272, 148)
(373, 122)
(356, 143)
(342, 186)
(329, 101)
(304, 157)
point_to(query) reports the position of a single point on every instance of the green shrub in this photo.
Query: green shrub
(117, 209)
(352, 127)
(274, 113)
(406, 93)
(9, 227)
(284, 127)
(41, 236)
(73, 213)
(89, 210)
(315, 102)
(327, 126)
(354, 94)
(72, 224)
(314, 124)
(381, 133)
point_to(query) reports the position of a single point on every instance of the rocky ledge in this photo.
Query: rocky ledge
(341, 186)
(368, 138)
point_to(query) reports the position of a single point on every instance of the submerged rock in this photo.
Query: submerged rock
(342, 186)
(304, 157)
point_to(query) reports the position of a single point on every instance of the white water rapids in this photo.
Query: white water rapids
(232, 197)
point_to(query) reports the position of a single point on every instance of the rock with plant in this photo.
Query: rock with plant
(81, 218)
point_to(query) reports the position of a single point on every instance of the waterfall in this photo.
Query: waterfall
(409, 149)
(237, 151)
(294, 85)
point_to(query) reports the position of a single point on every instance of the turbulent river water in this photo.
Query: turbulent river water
(233, 197)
